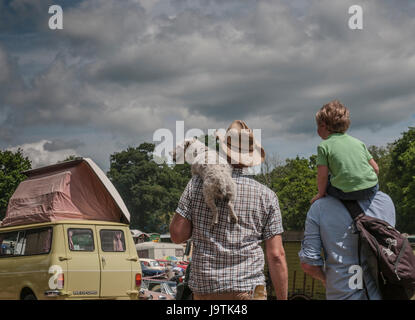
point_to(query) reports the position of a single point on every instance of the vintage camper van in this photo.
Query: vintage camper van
(66, 236)
(157, 250)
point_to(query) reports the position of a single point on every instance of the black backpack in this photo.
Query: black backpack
(394, 269)
(183, 290)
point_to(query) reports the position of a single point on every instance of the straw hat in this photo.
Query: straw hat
(240, 146)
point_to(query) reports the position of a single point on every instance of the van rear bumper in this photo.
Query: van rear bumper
(53, 293)
(131, 295)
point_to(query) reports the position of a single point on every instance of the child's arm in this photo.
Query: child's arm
(374, 165)
(322, 179)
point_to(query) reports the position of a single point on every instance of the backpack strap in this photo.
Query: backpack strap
(353, 207)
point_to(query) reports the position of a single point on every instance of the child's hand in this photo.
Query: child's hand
(317, 196)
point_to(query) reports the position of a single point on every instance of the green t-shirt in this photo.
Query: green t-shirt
(348, 161)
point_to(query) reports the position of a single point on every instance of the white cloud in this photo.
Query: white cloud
(39, 156)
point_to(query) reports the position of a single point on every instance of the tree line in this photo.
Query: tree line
(151, 191)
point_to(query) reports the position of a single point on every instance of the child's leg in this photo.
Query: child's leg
(365, 194)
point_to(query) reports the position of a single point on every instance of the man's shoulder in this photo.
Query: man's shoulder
(381, 196)
(196, 180)
(381, 202)
(327, 203)
(260, 187)
(380, 207)
(244, 182)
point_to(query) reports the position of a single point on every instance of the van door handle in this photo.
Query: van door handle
(132, 259)
(64, 258)
(103, 261)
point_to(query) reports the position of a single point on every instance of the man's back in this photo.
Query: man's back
(330, 225)
(228, 256)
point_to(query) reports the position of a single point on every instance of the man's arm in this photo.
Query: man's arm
(277, 266)
(310, 253)
(315, 271)
(181, 224)
(180, 229)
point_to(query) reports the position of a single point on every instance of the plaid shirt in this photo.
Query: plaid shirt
(227, 257)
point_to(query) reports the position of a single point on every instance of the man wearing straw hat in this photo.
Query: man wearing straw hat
(227, 260)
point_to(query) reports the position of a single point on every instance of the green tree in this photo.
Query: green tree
(382, 156)
(151, 191)
(295, 184)
(69, 158)
(11, 166)
(401, 180)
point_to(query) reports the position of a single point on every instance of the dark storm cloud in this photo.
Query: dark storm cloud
(129, 67)
(6, 135)
(62, 145)
(28, 16)
(54, 96)
(23, 16)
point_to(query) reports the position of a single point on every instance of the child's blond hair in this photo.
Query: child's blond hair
(335, 116)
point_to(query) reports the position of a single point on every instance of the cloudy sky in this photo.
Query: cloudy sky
(120, 70)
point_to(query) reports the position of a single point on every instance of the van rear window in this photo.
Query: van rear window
(26, 242)
(112, 240)
(81, 240)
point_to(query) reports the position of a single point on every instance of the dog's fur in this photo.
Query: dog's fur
(216, 175)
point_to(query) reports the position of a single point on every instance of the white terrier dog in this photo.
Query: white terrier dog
(215, 172)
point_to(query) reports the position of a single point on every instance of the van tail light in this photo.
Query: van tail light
(138, 279)
(61, 281)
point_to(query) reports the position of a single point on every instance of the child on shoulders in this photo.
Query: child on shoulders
(353, 171)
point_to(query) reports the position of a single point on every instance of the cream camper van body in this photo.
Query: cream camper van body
(66, 236)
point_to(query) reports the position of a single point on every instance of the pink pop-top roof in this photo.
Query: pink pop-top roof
(76, 189)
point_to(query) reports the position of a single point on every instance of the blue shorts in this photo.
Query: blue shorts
(365, 194)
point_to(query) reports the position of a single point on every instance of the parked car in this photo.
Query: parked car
(172, 264)
(183, 265)
(150, 272)
(152, 264)
(179, 270)
(158, 290)
(163, 262)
